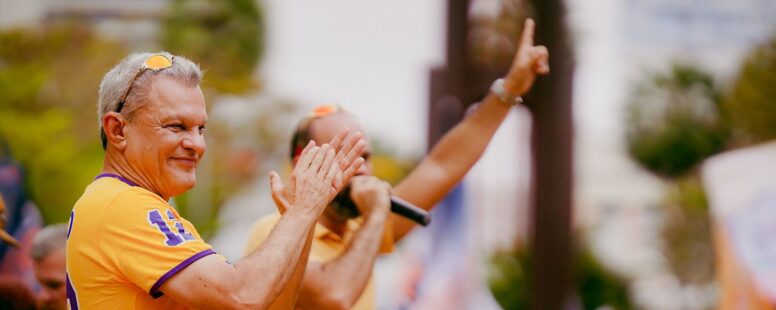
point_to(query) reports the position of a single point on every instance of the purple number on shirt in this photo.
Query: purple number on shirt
(156, 219)
(178, 225)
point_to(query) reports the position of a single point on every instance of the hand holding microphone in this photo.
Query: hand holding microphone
(371, 193)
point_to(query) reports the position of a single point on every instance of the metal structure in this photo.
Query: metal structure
(456, 86)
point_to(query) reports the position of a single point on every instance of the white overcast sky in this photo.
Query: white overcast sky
(372, 57)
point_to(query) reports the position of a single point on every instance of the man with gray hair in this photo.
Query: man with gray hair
(128, 247)
(48, 254)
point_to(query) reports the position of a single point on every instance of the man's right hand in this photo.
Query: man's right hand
(529, 61)
(371, 195)
(319, 174)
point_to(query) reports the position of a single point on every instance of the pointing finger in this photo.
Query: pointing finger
(527, 39)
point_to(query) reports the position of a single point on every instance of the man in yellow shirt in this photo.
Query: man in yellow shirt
(344, 248)
(128, 248)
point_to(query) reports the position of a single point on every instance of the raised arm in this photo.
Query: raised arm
(462, 146)
(257, 280)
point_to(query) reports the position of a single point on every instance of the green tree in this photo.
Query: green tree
(225, 37)
(674, 122)
(594, 285)
(751, 102)
(49, 79)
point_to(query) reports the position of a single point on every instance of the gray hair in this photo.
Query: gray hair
(47, 240)
(116, 83)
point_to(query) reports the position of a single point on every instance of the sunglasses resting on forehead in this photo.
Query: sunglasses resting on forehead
(154, 62)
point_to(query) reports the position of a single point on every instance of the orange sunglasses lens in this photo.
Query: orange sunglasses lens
(157, 62)
(323, 110)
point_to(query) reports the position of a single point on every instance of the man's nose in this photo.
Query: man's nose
(196, 142)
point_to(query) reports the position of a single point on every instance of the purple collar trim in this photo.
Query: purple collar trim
(116, 176)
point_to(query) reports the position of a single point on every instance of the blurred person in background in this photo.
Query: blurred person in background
(128, 247)
(5, 237)
(48, 253)
(19, 221)
(13, 293)
(347, 241)
(15, 296)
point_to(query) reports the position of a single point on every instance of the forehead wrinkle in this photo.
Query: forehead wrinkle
(177, 104)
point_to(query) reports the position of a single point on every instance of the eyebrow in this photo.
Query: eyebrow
(179, 117)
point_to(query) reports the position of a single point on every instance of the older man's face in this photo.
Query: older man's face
(50, 273)
(165, 138)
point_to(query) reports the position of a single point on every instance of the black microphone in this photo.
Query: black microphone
(410, 211)
(398, 206)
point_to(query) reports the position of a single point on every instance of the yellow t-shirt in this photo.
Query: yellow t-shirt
(123, 243)
(326, 246)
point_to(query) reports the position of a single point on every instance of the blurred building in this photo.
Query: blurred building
(617, 43)
(135, 23)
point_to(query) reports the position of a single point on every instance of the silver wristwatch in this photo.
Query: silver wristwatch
(509, 99)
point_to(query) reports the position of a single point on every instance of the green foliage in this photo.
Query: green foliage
(751, 103)
(510, 279)
(686, 231)
(49, 80)
(674, 122)
(225, 37)
(596, 287)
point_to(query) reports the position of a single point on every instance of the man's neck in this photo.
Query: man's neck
(111, 165)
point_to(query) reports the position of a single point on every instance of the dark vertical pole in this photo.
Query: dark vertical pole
(552, 154)
(458, 84)
(447, 83)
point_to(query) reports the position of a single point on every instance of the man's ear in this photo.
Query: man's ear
(113, 124)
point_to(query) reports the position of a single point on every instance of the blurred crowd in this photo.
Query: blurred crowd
(32, 257)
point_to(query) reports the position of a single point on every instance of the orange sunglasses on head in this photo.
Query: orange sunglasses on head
(301, 135)
(323, 110)
(154, 62)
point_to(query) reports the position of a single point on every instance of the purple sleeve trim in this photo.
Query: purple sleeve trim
(155, 293)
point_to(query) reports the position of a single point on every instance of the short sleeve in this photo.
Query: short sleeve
(148, 241)
(260, 232)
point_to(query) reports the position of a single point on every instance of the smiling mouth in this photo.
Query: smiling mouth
(188, 162)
